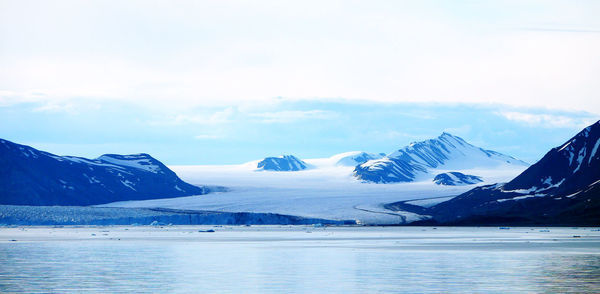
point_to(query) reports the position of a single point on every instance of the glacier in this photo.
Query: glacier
(327, 190)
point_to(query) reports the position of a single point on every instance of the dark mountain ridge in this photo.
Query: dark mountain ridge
(32, 177)
(563, 188)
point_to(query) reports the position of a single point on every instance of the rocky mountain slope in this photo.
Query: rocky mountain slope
(562, 188)
(32, 177)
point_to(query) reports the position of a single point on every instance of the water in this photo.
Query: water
(299, 259)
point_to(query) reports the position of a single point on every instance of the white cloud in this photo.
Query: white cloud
(202, 53)
(215, 118)
(56, 107)
(548, 120)
(9, 98)
(288, 116)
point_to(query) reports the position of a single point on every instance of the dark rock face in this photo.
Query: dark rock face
(565, 169)
(562, 188)
(446, 151)
(32, 177)
(456, 179)
(282, 163)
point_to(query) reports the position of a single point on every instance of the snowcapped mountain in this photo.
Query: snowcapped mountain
(562, 188)
(32, 177)
(456, 179)
(566, 168)
(141, 161)
(354, 158)
(388, 170)
(282, 163)
(446, 152)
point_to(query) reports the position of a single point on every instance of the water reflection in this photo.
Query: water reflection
(299, 266)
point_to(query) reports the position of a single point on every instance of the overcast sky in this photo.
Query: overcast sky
(225, 78)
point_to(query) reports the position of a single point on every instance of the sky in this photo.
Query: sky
(225, 82)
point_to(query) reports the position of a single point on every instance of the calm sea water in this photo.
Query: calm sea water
(300, 260)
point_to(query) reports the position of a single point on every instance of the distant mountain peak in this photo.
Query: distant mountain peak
(354, 158)
(456, 179)
(282, 163)
(446, 150)
(448, 135)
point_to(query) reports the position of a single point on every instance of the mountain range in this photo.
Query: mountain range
(293, 163)
(562, 188)
(446, 152)
(32, 177)
(439, 160)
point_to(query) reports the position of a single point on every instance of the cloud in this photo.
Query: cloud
(419, 114)
(56, 107)
(216, 118)
(289, 116)
(10, 98)
(195, 54)
(548, 120)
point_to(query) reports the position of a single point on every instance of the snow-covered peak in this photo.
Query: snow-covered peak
(353, 158)
(582, 148)
(451, 152)
(282, 163)
(448, 136)
(566, 168)
(445, 152)
(141, 161)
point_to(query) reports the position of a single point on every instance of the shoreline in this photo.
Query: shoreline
(399, 237)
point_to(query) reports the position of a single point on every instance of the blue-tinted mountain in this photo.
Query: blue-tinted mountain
(32, 177)
(456, 179)
(444, 152)
(354, 158)
(388, 170)
(282, 163)
(562, 188)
